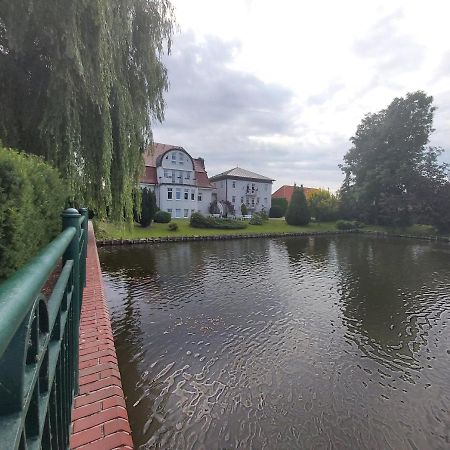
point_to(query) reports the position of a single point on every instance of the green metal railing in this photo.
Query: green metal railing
(39, 341)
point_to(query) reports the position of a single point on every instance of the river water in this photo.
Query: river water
(312, 342)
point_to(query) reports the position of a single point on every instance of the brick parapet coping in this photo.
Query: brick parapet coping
(99, 417)
(225, 237)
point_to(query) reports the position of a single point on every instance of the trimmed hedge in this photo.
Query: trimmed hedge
(32, 198)
(162, 217)
(200, 221)
(276, 211)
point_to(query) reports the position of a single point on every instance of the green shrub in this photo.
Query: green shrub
(162, 217)
(345, 225)
(32, 197)
(263, 214)
(282, 203)
(256, 220)
(200, 221)
(244, 209)
(276, 211)
(173, 226)
(421, 230)
(298, 211)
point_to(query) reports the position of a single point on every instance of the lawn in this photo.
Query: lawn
(112, 231)
(105, 230)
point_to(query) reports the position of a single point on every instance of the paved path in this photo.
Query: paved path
(99, 418)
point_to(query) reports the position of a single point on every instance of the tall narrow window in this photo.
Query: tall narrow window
(174, 157)
(169, 193)
(234, 184)
(178, 213)
(233, 199)
(199, 198)
(186, 194)
(192, 195)
(186, 213)
(178, 194)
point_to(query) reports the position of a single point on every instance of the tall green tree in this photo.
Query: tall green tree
(80, 84)
(148, 207)
(390, 171)
(298, 211)
(323, 206)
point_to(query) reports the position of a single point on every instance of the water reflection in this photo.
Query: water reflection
(311, 342)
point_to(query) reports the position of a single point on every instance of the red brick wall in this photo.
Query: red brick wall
(99, 417)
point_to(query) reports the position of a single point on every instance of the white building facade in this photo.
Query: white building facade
(180, 182)
(238, 186)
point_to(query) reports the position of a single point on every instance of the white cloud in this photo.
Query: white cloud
(321, 65)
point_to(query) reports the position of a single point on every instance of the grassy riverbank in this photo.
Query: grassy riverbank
(113, 231)
(106, 230)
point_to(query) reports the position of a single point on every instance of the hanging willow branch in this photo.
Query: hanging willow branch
(80, 83)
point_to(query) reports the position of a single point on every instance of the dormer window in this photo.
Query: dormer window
(174, 157)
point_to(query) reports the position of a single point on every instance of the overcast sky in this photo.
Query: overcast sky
(278, 88)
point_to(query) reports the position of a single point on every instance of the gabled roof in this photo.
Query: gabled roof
(287, 191)
(152, 159)
(237, 172)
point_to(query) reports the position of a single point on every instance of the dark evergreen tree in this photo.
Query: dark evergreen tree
(148, 207)
(298, 211)
(80, 83)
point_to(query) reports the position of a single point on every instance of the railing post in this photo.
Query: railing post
(71, 218)
(85, 213)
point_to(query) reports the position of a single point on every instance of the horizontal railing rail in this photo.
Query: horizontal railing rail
(39, 340)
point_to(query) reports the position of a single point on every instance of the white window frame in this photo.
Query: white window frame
(200, 197)
(178, 194)
(169, 191)
(186, 213)
(178, 213)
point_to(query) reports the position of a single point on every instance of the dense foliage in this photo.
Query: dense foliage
(173, 226)
(276, 211)
(282, 203)
(348, 224)
(162, 217)
(80, 83)
(244, 209)
(200, 221)
(256, 220)
(323, 206)
(298, 211)
(392, 176)
(32, 198)
(148, 208)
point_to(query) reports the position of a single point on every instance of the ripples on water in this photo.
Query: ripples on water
(319, 342)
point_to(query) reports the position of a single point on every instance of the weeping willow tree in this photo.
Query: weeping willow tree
(80, 83)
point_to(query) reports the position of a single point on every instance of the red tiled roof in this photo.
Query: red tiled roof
(152, 159)
(287, 191)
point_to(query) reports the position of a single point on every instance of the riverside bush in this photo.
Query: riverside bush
(32, 198)
(200, 221)
(346, 225)
(256, 220)
(162, 217)
(173, 226)
(276, 211)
